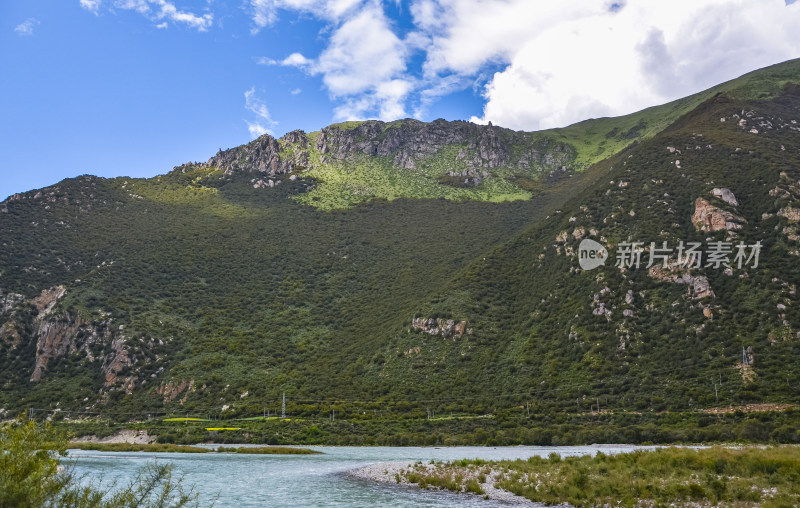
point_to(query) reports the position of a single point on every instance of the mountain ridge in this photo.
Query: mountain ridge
(202, 288)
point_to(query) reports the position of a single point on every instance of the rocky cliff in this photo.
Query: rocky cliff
(405, 143)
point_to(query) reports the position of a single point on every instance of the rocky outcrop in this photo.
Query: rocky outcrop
(708, 217)
(265, 155)
(444, 327)
(726, 195)
(124, 436)
(793, 214)
(58, 333)
(8, 302)
(699, 286)
(406, 143)
(171, 389)
(410, 141)
(9, 328)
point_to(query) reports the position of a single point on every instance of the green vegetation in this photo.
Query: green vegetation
(174, 448)
(343, 185)
(598, 139)
(197, 296)
(268, 450)
(30, 457)
(664, 477)
(137, 447)
(506, 428)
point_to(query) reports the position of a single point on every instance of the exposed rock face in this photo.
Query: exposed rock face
(700, 288)
(443, 327)
(9, 332)
(58, 334)
(410, 140)
(698, 285)
(123, 436)
(8, 301)
(54, 339)
(116, 361)
(265, 155)
(793, 214)
(708, 217)
(406, 142)
(725, 195)
(170, 390)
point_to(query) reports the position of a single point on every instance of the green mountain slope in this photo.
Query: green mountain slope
(408, 268)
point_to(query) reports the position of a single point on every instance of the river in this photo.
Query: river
(311, 480)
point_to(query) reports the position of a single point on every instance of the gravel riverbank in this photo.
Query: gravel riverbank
(388, 472)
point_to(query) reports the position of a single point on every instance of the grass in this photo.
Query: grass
(186, 420)
(268, 450)
(343, 185)
(134, 447)
(719, 476)
(163, 447)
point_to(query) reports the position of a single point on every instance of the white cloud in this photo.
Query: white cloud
(158, 11)
(264, 122)
(610, 63)
(296, 91)
(256, 129)
(91, 5)
(26, 27)
(560, 62)
(361, 54)
(265, 12)
(296, 60)
(363, 65)
(168, 10)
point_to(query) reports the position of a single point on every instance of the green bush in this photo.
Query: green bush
(31, 475)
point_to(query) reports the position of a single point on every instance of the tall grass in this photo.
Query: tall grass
(718, 476)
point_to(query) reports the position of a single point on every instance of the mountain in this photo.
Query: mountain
(411, 268)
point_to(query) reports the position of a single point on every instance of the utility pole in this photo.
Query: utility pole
(716, 393)
(283, 407)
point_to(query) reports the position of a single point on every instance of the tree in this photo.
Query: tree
(31, 476)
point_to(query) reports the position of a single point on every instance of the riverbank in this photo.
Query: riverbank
(471, 484)
(747, 424)
(173, 448)
(716, 476)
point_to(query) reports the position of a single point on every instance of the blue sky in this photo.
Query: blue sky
(135, 87)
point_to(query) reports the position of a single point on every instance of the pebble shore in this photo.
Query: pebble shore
(385, 472)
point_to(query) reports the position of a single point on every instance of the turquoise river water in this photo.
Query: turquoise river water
(238, 480)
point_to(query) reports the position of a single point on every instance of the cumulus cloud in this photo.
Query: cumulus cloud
(265, 12)
(91, 5)
(296, 60)
(160, 12)
(363, 65)
(167, 10)
(263, 123)
(560, 62)
(26, 27)
(622, 59)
